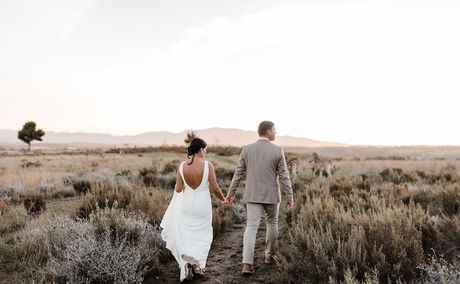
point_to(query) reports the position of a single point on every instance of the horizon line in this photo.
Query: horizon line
(230, 128)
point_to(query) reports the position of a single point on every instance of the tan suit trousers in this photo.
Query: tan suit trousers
(254, 213)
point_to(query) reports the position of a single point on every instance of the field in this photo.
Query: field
(92, 215)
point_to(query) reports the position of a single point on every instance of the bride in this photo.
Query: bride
(187, 223)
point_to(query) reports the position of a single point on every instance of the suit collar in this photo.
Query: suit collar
(263, 139)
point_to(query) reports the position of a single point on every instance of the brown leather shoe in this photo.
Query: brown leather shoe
(247, 270)
(270, 259)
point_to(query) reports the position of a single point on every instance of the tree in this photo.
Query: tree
(190, 136)
(29, 133)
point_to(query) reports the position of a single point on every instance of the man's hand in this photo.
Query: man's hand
(229, 200)
(289, 205)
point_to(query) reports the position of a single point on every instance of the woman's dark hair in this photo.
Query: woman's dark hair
(195, 146)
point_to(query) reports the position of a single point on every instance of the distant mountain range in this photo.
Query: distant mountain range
(213, 136)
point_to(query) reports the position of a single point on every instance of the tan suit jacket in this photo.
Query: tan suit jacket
(266, 168)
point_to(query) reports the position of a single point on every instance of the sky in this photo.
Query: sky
(382, 72)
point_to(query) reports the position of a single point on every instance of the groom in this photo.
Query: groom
(265, 166)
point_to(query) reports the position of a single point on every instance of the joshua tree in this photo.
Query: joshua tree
(190, 136)
(29, 133)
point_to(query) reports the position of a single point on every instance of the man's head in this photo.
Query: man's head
(267, 129)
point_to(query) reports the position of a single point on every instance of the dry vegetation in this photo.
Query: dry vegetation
(376, 221)
(92, 217)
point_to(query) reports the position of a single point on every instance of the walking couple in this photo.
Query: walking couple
(187, 223)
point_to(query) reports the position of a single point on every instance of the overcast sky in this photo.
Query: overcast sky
(360, 72)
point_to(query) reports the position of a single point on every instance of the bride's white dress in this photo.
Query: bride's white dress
(187, 223)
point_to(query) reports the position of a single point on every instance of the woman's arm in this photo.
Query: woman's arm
(179, 182)
(213, 183)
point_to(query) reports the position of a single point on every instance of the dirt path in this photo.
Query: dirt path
(224, 261)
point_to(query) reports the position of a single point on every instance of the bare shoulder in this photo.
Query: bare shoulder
(210, 165)
(185, 164)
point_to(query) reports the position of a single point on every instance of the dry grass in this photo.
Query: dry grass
(374, 221)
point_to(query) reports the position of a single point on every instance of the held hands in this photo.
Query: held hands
(229, 200)
(289, 205)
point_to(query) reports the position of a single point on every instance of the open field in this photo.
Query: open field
(381, 217)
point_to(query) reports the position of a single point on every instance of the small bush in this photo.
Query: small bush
(224, 217)
(396, 176)
(351, 277)
(165, 180)
(46, 188)
(103, 195)
(124, 173)
(170, 167)
(81, 187)
(14, 218)
(148, 176)
(11, 193)
(3, 207)
(449, 240)
(341, 186)
(82, 183)
(448, 174)
(114, 247)
(28, 164)
(67, 191)
(224, 150)
(223, 175)
(69, 178)
(151, 203)
(34, 204)
(437, 199)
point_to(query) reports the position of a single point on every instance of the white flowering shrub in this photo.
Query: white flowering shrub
(439, 270)
(113, 246)
(166, 180)
(10, 193)
(99, 176)
(10, 190)
(83, 183)
(46, 188)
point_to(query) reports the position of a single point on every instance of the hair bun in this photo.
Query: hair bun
(189, 151)
(195, 146)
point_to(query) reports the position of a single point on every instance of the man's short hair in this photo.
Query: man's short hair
(264, 126)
